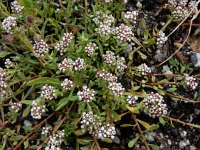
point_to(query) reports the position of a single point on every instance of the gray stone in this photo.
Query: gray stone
(116, 140)
(197, 111)
(169, 142)
(195, 59)
(27, 123)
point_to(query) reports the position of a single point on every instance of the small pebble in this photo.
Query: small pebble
(195, 59)
(183, 133)
(169, 142)
(192, 147)
(116, 140)
(150, 136)
(27, 123)
(182, 144)
(197, 111)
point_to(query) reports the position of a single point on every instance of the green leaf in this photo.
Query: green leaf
(27, 128)
(153, 127)
(26, 144)
(107, 140)
(84, 141)
(4, 54)
(160, 92)
(143, 56)
(85, 148)
(126, 125)
(154, 147)
(64, 101)
(171, 89)
(115, 116)
(162, 121)
(16, 138)
(26, 111)
(79, 132)
(27, 102)
(144, 124)
(149, 41)
(136, 40)
(44, 80)
(132, 109)
(132, 142)
(134, 88)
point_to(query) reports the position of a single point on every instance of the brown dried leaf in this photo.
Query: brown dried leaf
(193, 42)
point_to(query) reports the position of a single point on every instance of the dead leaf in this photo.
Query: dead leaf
(193, 42)
(178, 55)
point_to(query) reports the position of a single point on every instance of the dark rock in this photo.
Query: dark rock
(197, 111)
(175, 132)
(174, 104)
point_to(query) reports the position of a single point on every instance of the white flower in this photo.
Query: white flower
(78, 65)
(16, 7)
(40, 48)
(9, 24)
(86, 94)
(67, 84)
(48, 92)
(155, 104)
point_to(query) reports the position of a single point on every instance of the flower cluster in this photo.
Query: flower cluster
(120, 63)
(144, 69)
(67, 84)
(180, 13)
(123, 33)
(104, 23)
(55, 141)
(131, 16)
(64, 42)
(37, 109)
(160, 41)
(182, 8)
(90, 48)
(90, 122)
(132, 100)
(3, 83)
(16, 7)
(93, 124)
(86, 94)
(48, 92)
(78, 65)
(111, 60)
(46, 130)
(172, 3)
(40, 48)
(191, 82)
(107, 76)
(193, 7)
(9, 24)
(16, 106)
(103, 18)
(106, 131)
(109, 57)
(155, 104)
(65, 65)
(8, 63)
(116, 88)
(104, 30)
